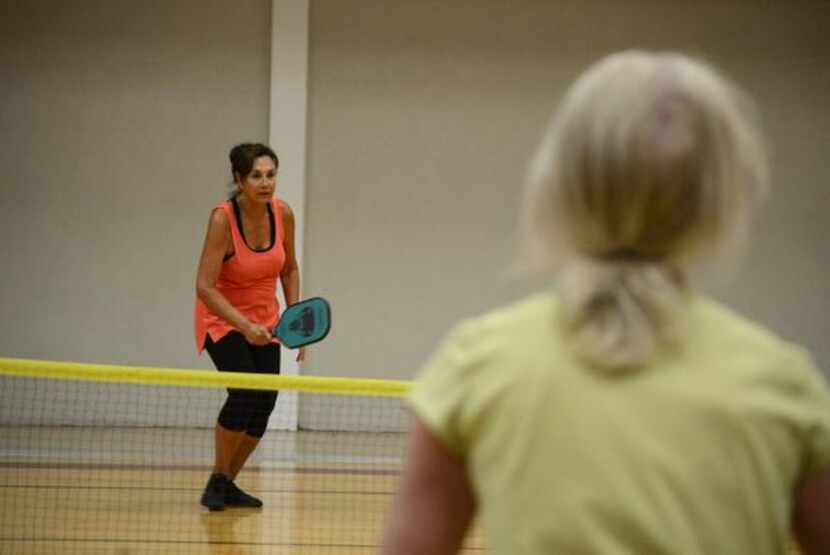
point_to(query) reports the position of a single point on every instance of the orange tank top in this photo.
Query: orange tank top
(248, 279)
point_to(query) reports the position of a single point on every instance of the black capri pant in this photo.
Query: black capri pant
(245, 410)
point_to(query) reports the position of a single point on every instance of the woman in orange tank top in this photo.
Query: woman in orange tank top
(248, 247)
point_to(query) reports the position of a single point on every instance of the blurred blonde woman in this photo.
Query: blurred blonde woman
(624, 412)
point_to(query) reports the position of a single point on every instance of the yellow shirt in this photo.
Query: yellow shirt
(698, 453)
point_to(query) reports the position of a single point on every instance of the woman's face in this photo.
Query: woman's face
(259, 184)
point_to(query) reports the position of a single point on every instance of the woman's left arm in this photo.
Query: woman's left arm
(290, 274)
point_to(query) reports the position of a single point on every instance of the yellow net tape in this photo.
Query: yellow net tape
(200, 378)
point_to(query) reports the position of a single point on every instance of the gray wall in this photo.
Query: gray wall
(422, 116)
(116, 118)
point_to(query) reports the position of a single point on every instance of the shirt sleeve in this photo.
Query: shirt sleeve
(444, 385)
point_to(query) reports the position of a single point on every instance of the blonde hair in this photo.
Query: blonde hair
(652, 161)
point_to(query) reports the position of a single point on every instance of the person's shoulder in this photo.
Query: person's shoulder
(219, 216)
(527, 311)
(284, 208)
(730, 334)
(509, 326)
(726, 323)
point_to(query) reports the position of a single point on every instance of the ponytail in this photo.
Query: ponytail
(619, 312)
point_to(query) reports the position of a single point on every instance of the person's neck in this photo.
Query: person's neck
(251, 209)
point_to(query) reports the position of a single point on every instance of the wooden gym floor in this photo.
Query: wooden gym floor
(137, 491)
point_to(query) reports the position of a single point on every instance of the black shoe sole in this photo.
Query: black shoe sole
(241, 506)
(213, 507)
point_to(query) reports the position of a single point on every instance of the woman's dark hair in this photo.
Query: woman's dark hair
(243, 155)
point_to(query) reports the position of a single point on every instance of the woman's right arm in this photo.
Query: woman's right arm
(217, 241)
(435, 503)
(811, 514)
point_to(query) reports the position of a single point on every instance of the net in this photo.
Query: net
(109, 459)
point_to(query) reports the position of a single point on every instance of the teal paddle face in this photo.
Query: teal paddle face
(304, 323)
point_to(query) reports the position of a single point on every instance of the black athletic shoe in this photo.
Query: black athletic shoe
(214, 496)
(235, 497)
